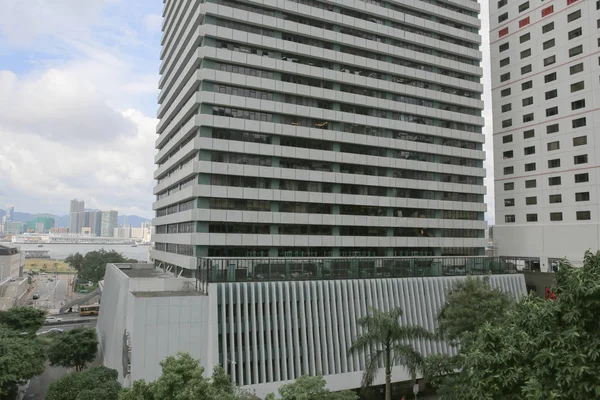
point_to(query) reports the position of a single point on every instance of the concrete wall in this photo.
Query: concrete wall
(12, 265)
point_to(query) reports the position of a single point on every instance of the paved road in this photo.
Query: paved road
(52, 290)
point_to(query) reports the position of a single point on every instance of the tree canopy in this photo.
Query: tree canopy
(21, 358)
(311, 388)
(74, 349)
(543, 349)
(92, 266)
(96, 383)
(182, 379)
(23, 319)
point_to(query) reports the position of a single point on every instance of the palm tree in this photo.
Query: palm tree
(384, 341)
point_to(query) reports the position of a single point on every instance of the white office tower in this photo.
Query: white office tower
(546, 97)
(319, 128)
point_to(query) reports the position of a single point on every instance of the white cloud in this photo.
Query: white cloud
(153, 22)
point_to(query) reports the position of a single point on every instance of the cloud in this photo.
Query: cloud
(153, 22)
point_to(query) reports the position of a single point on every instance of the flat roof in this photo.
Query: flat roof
(170, 293)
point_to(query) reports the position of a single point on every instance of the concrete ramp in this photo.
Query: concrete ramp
(79, 301)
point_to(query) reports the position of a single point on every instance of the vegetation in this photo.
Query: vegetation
(23, 319)
(91, 267)
(74, 349)
(22, 356)
(96, 383)
(311, 388)
(57, 265)
(182, 379)
(384, 342)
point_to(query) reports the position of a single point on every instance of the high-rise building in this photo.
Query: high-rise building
(10, 212)
(95, 219)
(109, 223)
(545, 87)
(319, 128)
(76, 207)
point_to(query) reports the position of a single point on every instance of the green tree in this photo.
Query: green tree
(74, 349)
(75, 261)
(544, 349)
(96, 383)
(311, 388)
(182, 379)
(384, 342)
(23, 319)
(93, 264)
(21, 358)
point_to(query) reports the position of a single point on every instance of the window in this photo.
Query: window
(571, 17)
(553, 146)
(505, 77)
(503, 17)
(502, 3)
(550, 77)
(509, 202)
(582, 196)
(577, 86)
(527, 101)
(509, 218)
(524, 6)
(524, 22)
(555, 198)
(504, 62)
(525, 53)
(528, 134)
(555, 216)
(530, 184)
(507, 154)
(531, 201)
(548, 44)
(505, 92)
(526, 85)
(547, 11)
(579, 141)
(551, 94)
(548, 27)
(507, 123)
(525, 69)
(504, 47)
(549, 60)
(583, 215)
(554, 181)
(509, 186)
(551, 111)
(524, 38)
(580, 159)
(509, 170)
(552, 128)
(506, 107)
(530, 167)
(574, 69)
(529, 150)
(576, 51)
(507, 138)
(581, 178)
(576, 105)
(575, 33)
(531, 217)
(528, 117)
(579, 122)
(554, 163)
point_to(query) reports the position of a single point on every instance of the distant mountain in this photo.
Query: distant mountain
(63, 221)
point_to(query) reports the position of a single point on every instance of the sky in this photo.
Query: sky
(78, 89)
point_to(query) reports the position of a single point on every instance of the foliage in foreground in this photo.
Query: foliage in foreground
(384, 342)
(74, 349)
(23, 319)
(311, 388)
(92, 265)
(182, 379)
(542, 349)
(96, 383)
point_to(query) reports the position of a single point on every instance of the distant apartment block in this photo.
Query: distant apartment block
(108, 223)
(546, 96)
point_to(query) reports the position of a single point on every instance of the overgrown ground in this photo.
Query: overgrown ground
(47, 265)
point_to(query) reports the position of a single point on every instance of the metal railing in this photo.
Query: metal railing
(299, 269)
